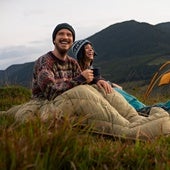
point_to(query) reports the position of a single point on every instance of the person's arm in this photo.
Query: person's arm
(96, 79)
(104, 84)
(52, 87)
(53, 82)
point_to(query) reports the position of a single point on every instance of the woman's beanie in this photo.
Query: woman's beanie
(77, 47)
(63, 26)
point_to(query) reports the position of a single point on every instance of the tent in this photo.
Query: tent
(160, 83)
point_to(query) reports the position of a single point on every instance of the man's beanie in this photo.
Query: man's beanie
(63, 26)
(77, 47)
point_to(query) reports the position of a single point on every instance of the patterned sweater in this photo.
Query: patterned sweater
(52, 76)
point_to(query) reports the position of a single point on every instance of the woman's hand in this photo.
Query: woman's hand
(88, 75)
(104, 84)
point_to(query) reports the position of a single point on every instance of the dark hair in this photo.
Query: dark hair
(81, 57)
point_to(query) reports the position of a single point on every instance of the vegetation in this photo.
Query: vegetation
(13, 95)
(45, 146)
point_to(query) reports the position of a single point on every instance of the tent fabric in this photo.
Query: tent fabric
(165, 79)
(160, 79)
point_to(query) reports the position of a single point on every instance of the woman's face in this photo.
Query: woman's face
(89, 52)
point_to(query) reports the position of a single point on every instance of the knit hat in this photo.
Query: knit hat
(63, 26)
(77, 47)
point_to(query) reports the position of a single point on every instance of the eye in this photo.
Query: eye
(69, 34)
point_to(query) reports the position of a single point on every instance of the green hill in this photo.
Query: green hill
(131, 50)
(127, 51)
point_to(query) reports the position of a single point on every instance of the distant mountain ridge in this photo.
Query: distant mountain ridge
(133, 45)
(19, 74)
(131, 38)
(127, 51)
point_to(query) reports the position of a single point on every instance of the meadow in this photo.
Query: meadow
(44, 146)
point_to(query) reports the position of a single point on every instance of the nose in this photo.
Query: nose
(65, 36)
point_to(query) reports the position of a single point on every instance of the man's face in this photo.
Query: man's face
(63, 40)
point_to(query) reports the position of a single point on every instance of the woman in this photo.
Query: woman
(84, 52)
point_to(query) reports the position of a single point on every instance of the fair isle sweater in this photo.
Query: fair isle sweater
(52, 76)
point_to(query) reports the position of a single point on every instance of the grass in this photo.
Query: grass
(13, 95)
(43, 146)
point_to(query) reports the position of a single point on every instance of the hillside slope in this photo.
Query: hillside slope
(127, 51)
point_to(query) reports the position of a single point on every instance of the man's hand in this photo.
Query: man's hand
(107, 87)
(88, 75)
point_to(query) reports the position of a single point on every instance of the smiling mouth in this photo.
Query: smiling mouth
(64, 42)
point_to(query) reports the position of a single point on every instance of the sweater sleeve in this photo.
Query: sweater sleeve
(96, 79)
(54, 82)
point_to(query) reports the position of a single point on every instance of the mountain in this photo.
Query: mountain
(164, 27)
(127, 51)
(131, 38)
(19, 74)
(131, 50)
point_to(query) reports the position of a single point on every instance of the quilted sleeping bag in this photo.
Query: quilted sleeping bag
(104, 113)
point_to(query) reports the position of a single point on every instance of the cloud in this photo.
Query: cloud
(22, 54)
(23, 22)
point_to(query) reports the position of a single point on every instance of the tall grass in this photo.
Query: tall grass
(45, 146)
(41, 146)
(13, 95)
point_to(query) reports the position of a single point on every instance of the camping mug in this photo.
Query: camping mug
(96, 72)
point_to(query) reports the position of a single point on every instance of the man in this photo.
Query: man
(55, 72)
(60, 88)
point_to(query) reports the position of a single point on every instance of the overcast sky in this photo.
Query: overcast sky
(26, 25)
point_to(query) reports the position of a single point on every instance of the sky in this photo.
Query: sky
(26, 26)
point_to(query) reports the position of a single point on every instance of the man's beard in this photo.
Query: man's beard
(61, 51)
